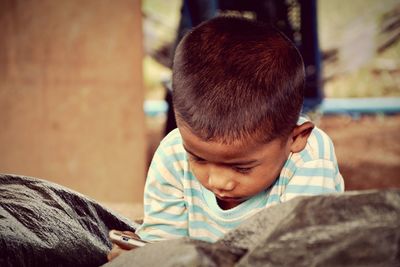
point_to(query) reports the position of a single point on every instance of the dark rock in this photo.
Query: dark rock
(351, 229)
(44, 224)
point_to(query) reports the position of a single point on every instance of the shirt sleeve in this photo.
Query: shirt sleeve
(165, 209)
(314, 177)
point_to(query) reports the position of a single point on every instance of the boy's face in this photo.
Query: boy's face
(234, 172)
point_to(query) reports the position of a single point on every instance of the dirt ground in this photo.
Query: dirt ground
(367, 148)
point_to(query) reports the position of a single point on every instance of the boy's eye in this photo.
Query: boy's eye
(197, 159)
(242, 170)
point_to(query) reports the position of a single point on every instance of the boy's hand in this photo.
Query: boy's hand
(118, 247)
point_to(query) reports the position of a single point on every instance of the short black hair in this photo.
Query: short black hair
(237, 79)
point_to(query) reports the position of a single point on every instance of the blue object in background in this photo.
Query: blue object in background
(153, 108)
(384, 105)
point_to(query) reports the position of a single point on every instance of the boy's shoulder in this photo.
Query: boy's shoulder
(319, 147)
(172, 144)
(172, 138)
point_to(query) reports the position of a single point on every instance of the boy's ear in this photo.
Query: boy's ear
(300, 135)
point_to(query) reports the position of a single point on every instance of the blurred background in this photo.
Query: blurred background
(84, 85)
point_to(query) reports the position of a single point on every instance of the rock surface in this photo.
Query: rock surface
(351, 229)
(179, 252)
(44, 224)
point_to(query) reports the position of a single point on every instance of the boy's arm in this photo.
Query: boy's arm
(165, 212)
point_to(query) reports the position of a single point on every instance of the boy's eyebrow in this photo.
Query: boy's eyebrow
(191, 153)
(245, 162)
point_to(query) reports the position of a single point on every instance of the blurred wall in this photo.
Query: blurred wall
(71, 94)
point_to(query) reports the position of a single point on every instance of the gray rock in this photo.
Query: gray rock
(179, 252)
(351, 229)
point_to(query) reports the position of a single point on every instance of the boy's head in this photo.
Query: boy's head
(236, 79)
(237, 92)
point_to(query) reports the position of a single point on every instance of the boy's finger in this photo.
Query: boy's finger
(122, 245)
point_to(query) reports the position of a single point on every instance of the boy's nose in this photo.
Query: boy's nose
(220, 182)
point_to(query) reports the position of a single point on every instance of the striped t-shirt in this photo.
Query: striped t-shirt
(177, 205)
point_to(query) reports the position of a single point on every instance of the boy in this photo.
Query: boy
(240, 145)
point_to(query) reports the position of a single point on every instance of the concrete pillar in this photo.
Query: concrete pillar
(71, 95)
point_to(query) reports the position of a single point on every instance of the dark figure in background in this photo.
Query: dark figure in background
(297, 19)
